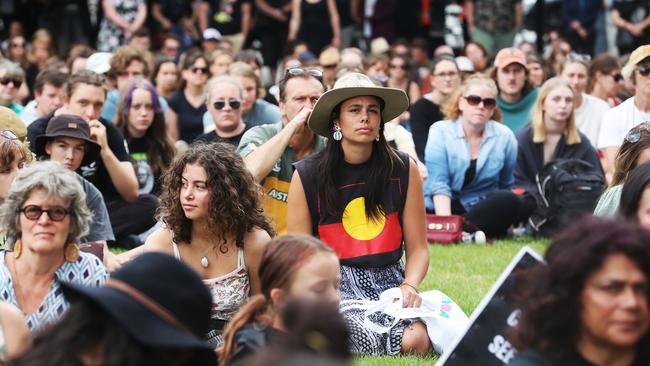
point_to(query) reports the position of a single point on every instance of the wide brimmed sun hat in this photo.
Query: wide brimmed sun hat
(159, 301)
(355, 85)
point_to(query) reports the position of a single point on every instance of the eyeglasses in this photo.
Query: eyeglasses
(578, 57)
(55, 213)
(448, 75)
(644, 70)
(617, 77)
(635, 134)
(17, 45)
(403, 67)
(475, 100)
(298, 71)
(17, 82)
(9, 135)
(196, 69)
(221, 104)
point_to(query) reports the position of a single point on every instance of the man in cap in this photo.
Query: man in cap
(211, 39)
(516, 96)
(329, 58)
(270, 150)
(619, 120)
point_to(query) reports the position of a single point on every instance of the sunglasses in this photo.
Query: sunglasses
(16, 81)
(221, 104)
(578, 57)
(298, 71)
(644, 70)
(475, 100)
(635, 134)
(617, 77)
(55, 213)
(403, 67)
(9, 135)
(195, 69)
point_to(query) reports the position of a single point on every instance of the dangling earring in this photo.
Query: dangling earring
(18, 248)
(337, 135)
(71, 252)
(377, 138)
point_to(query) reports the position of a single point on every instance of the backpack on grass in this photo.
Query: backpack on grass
(566, 190)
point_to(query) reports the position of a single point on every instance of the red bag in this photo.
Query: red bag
(444, 229)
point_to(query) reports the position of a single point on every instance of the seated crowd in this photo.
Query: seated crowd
(312, 195)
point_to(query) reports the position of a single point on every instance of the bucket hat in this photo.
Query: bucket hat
(68, 125)
(354, 85)
(158, 300)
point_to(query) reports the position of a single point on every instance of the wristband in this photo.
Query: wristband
(404, 283)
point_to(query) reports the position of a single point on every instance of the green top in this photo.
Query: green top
(608, 203)
(516, 115)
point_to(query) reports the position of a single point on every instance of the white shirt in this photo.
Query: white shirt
(618, 121)
(589, 117)
(29, 114)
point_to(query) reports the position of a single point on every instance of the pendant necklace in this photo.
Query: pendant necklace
(204, 262)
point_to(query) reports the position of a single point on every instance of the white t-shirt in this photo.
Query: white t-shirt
(589, 117)
(618, 121)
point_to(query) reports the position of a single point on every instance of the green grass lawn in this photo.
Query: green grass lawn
(465, 273)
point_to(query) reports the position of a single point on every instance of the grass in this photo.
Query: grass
(465, 273)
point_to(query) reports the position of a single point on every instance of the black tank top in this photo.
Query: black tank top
(358, 241)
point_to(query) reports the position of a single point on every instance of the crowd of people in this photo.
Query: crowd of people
(260, 161)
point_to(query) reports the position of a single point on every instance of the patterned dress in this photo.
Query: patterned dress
(110, 35)
(369, 251)
(87, 270)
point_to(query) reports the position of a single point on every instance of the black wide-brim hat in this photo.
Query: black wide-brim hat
(159, 301)
(68, 125)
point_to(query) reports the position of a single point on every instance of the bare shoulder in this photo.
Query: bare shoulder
(15, 328)
(254, 243)
(159, 241)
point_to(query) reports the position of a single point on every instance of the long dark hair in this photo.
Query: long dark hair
(235, 206)
(161, 150)
(87, 329)
(382, 164)
(637, 182)
(550, 300)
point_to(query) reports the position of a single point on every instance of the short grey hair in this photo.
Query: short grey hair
(58, 182)
(12, 69)
(222, 79)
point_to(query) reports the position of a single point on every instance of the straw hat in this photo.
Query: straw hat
(355, 85)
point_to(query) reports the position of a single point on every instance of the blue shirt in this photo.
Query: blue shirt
(113, 99)
(447, 157)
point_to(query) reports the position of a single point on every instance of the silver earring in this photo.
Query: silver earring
(377, 138)
(337, 135)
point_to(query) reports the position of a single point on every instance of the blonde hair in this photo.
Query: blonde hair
(571, 134)
(451, 110)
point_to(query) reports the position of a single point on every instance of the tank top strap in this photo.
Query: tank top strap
(177, 253)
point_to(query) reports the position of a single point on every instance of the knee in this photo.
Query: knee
(416, 339)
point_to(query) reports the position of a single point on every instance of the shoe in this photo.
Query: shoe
(477, 237)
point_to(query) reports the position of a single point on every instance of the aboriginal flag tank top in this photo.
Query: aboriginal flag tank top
(357, 240)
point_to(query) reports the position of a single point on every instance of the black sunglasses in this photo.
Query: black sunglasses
(644, 70)
(298, 71)
(221, 104)
(55, 213)
(617, 77)
(16, 81)
(8, 134)
(195, 69)
(475, 100)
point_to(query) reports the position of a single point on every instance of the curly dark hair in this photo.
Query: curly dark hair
(550, 296)
(235, 206)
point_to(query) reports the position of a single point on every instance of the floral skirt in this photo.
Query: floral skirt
(358, 286)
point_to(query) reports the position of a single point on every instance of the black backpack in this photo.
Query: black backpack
(566, 190)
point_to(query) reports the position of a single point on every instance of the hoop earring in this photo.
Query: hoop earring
(18, 248)
(71, 253)
(337, 135)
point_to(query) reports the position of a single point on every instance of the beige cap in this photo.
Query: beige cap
(329, 57)
(637, 56)
(9, 120)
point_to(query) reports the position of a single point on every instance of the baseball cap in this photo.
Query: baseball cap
(638, 55)
(509, 56)
(99, 62)
(329, 57)
(212, 34)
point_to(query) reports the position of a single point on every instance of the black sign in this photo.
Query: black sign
(484, 342)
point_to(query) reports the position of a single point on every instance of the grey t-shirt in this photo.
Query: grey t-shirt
(100, 226)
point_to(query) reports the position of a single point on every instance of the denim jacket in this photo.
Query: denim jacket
(447, 159)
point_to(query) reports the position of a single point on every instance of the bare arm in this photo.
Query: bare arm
(245, 19)
(268, 10)
(254, 245)
(159, 241)
(172, 124)
(469, 15)
(300, 220)
(335, 23)
(294, 23)
(414, 91)
(203, 10)
(139, 18)
(157, 14)
(442, 205)
(519, 15)
(111, 14)
(17, 336)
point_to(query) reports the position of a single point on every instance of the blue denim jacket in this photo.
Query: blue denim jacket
(447, 159)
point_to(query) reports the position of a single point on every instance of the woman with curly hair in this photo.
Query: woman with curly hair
(589, 304)
(213, 221)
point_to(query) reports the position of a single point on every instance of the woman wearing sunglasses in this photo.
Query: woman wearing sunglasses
(398, 77)
(44, 216)
(605, 79)
(187, 105)
(470, 158)
(142, 122)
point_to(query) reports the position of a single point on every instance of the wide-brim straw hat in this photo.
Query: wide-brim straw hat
(355, 85)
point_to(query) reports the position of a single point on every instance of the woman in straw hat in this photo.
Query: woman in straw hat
(364, 199)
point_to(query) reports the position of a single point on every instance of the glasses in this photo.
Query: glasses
(403, 67)
(635, 134)
(17, 45)
(475, 100)
(578, 57)
(17, 82)
(299, 71)
(55, 213)
(644, 70)
(196, 69)
(617, 77)
(8, 134)
(221, 104)
(448, 75)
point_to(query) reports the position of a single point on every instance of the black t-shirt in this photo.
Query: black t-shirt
(225, 15)
(148, 181)
(632, 10)
(424, 113)
(96, 172)
(190, 119)
(174, 10)
(357, 242)
(470, 173)
(213, 137)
